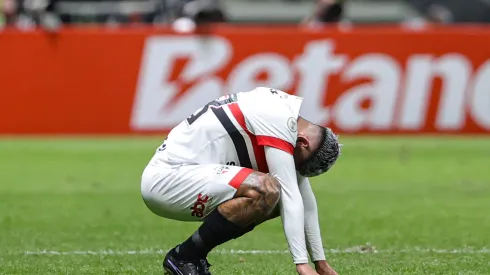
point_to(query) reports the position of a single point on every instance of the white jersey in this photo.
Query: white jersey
(234, 129)
(255, 130)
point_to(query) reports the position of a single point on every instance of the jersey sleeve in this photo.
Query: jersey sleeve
(312, 225)
(273, 122)
(281, 166)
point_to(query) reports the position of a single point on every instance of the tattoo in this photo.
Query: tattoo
(254, 201)
(253, 180)
(237, 211)
(275, 213)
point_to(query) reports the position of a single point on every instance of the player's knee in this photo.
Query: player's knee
(264, 190)
(272, 189)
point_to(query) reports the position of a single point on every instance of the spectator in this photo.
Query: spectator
(431, 14)
(190, 13)
(111, 11)
(325, 11)
(8, 10)
(451, 11)
(26, 14)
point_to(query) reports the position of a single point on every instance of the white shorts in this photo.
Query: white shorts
(189, 193)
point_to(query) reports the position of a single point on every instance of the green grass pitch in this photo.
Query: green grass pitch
(410, 205)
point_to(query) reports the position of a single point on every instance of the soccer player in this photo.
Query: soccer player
(240, 160)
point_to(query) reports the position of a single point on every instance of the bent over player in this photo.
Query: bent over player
(241, 160)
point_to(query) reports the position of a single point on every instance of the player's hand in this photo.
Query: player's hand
(323, 268)
(305, 269)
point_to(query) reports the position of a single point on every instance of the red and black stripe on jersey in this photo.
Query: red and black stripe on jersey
(236, 137)
(257, 142)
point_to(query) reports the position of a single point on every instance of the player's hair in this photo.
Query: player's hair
(324, 157)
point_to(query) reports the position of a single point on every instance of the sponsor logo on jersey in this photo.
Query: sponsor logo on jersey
(199, 207)
(223, 169)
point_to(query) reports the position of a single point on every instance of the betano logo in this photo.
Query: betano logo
(381, 93)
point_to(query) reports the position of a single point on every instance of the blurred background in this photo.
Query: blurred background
(90, 88)
(51, 13)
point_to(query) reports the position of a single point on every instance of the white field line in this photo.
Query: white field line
(352, 250)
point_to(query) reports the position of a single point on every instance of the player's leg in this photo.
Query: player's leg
(254, 202)
(203, 265)
(275, 213)
(233, 199)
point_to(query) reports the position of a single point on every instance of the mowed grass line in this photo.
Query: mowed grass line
(81, 194)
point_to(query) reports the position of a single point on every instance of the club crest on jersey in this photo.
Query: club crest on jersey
(223, 169)
(292, 124)
(199, 206)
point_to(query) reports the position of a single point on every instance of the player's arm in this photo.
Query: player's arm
(312, 227)
(281, 166)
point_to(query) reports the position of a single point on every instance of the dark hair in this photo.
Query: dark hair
(332, 13)
(324, 157)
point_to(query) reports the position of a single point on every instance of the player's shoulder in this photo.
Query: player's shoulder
(271, 112)
(271, 102)
(267, 92)
(272, 117)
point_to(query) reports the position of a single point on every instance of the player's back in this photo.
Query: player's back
(223, 131)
